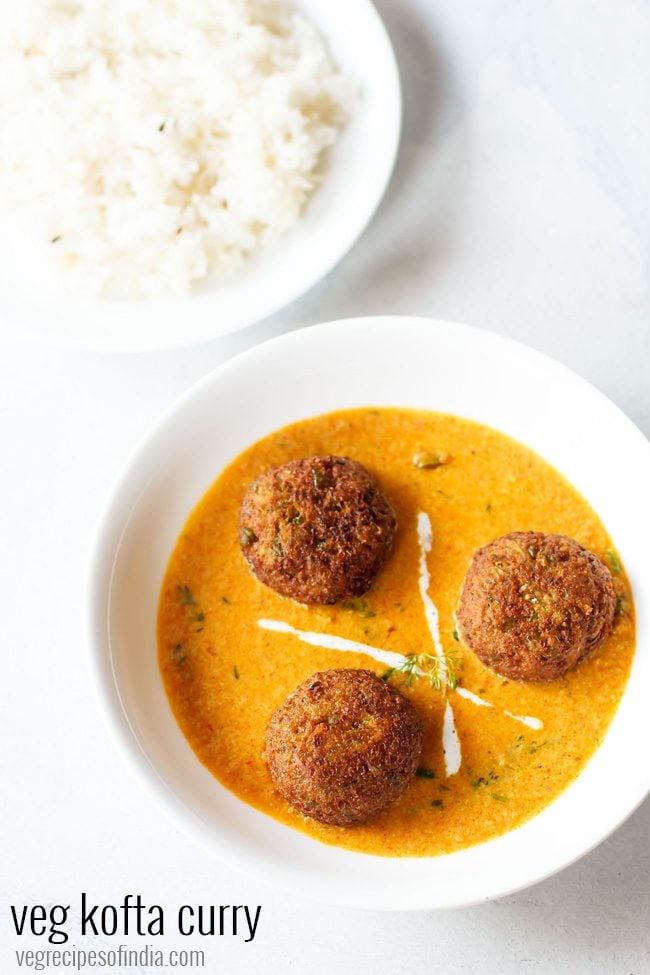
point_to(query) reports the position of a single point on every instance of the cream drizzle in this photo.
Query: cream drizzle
(475, 699)
(425, 539)
(534, 723)
(329, 642)
(450, 742)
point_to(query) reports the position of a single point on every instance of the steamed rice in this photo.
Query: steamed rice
(154, 142)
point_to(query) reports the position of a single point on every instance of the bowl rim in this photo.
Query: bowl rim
(99, 577)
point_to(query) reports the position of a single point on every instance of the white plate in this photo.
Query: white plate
(358, 169)
(374, 361)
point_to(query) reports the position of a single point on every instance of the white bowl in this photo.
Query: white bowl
(380, 361)
(358, 169)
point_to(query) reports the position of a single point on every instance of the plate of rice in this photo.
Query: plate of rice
(175, 171)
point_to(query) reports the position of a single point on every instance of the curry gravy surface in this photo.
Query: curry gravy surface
(224, 675)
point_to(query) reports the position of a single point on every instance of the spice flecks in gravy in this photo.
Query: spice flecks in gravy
(225, 674)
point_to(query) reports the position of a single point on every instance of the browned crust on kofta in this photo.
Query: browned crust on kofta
(343, 746)
(534, 605)
(317, 529)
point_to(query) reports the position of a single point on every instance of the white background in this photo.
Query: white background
(520, 203)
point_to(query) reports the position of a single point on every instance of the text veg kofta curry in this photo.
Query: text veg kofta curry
(416, 657)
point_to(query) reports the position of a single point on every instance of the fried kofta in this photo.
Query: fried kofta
(343, 746)
(533, 605)
(317, 529)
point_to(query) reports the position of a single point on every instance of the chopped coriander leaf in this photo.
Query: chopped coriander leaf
(536, 746)
(613, 561)
(437, 803)
(185, 595)
(499, 796)
(235, 672)
(425, 773)
(359, 606)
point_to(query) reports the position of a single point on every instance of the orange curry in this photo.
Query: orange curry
(224, 675)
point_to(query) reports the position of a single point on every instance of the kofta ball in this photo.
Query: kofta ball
(317, 529)
(533, 606)
(343, 746)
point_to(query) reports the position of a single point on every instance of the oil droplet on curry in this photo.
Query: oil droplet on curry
(224, 675)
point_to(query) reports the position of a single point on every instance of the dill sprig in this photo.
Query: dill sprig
(430, 666)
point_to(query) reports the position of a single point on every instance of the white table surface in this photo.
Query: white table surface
(520, 203)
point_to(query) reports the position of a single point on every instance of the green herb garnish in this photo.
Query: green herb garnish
(613, 561)
(235, 672)
(499, 796)
(437, 803)
(482, 781)
(535, 747)
(185, 595)
(425, 773)
(359, 606)
(428, 665)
